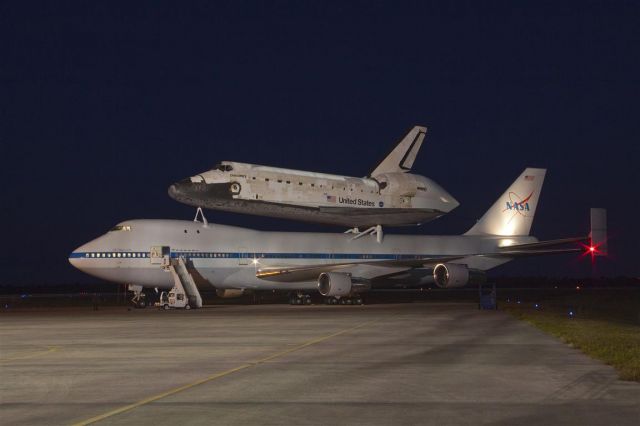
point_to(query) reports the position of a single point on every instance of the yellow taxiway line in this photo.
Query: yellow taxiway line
(216, 376)
(49, 350)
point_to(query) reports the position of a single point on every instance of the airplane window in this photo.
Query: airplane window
(185, 231)
(313, 184)
(266, 179)
(288, 181)
(228, 167)
(299, 183)
(279, 180)
(382, 185)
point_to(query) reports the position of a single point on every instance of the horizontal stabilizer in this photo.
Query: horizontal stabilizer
(401, 159)
(545, 244)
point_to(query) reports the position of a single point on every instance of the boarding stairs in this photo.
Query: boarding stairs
(182, 279)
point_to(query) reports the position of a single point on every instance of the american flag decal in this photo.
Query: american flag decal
(528, 177)
(331, 198)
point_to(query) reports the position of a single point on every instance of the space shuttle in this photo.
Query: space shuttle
(389, 196)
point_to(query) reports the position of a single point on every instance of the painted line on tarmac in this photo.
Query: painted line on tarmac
(217, 376)
(50, 349)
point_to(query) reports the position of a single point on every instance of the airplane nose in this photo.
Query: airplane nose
(74, 258)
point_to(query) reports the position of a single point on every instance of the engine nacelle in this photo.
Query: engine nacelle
(453, 275)
(229, 293)
(335, 284)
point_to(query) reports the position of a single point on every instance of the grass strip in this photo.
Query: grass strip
(615, 343)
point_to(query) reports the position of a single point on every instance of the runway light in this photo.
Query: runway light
(536, 306)
(571, 314)
(577, 287)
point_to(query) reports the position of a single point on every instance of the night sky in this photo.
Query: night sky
(103, 106)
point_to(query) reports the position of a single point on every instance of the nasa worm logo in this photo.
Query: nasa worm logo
(518, 205)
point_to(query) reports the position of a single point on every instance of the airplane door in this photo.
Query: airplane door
(160, 255)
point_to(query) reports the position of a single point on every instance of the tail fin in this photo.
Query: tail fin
(512, 214)
(401, 159)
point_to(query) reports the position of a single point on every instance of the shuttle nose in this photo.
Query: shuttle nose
(178, 190)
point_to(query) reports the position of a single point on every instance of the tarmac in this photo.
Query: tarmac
(388, 364)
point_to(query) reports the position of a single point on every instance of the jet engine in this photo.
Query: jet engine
(334, 284)
(453, 275)
(229, 293)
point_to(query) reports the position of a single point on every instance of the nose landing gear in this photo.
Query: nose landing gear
(139, 299)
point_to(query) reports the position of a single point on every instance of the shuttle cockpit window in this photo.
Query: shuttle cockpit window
(223, 167)
(120, 228)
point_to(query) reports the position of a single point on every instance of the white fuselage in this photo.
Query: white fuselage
(228, 257)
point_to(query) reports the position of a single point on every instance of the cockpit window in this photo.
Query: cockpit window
(223, 167)
(121, 228)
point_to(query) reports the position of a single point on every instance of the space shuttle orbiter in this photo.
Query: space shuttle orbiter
(389, 196)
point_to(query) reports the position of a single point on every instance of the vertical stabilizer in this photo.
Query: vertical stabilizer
(512, 214)
(401, 159)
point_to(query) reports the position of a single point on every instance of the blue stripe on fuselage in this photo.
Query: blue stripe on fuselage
(247, 255)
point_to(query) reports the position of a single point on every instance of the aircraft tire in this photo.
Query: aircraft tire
(187, 306)
(165, 307)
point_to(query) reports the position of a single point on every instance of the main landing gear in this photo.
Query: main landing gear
(355, 300)
(299, 299)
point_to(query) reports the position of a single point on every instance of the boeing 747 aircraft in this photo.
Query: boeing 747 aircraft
(390, 195)
(163, 253)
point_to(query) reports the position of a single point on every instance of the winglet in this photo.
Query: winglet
(599, 231)
(401, 159)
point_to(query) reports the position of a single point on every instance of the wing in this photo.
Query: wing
(384, 267)
(311, 272)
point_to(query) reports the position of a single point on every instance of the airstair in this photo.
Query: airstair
(184, 283)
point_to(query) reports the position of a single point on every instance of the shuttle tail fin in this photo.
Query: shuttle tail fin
(512, 214)
(401, 159)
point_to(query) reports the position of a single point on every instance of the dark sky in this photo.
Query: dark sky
(103, 105)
